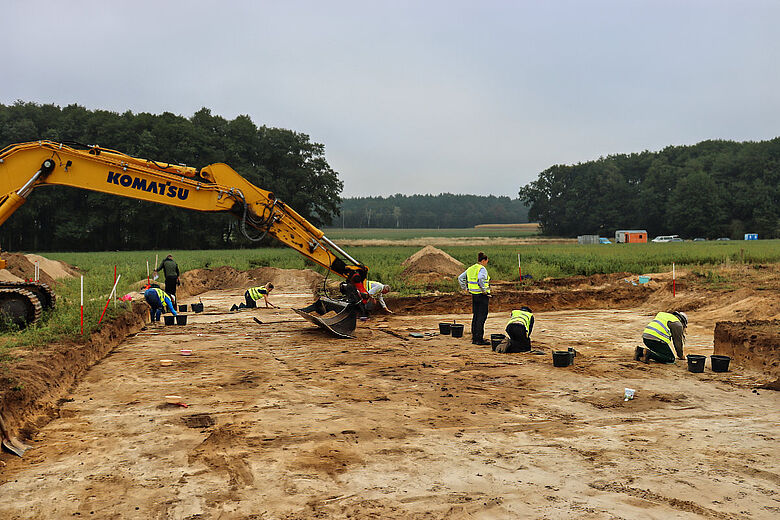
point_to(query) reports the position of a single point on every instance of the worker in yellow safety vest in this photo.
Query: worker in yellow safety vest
(375, 292)
(519, 328)
(159, 302)
(664, 337)
(253, 295)
(476, 281)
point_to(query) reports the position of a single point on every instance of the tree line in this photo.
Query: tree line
(68, 219)
(712, 189)
(429, 211)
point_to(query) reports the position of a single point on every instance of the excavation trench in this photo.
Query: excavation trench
(285, 421)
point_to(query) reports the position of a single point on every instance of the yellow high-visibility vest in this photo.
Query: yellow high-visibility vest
(521, 317)
(659, 327)
(472, 274)
(256, 292)
(162, 295)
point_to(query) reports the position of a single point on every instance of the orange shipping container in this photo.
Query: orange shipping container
(631, 236)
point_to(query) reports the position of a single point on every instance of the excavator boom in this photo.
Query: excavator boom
(213, 188)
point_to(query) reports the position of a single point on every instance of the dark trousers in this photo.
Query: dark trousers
(518, 338)
(155, 305)
(250, 302)
(170, 285)
(479, 306)
(658, 351)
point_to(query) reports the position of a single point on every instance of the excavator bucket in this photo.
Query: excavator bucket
(11, 443)
(335, 316)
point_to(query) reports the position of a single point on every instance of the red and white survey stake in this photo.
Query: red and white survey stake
(109, 298)
(674, 287)
(82, 305)
(519, 271)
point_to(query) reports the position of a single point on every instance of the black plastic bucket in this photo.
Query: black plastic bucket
(696, 363)
(457, 330)
(170, 320)
(197, 307)
(720, 363)
(496, 339)
(183, 308)
(444, 328)
(561, 358)
(181, 319)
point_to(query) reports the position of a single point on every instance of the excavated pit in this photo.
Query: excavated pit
(285, 421)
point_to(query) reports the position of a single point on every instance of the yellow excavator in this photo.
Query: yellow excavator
(216, 188)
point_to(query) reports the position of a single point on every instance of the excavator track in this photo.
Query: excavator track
(45, 294)
(19, 306)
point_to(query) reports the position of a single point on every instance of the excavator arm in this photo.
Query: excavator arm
(213, 188)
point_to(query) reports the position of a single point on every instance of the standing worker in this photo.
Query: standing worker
(253, 295)
(519, 328)
(476, 281)
(663, 337)
(375, 292)
(171, 273)
(159, 302)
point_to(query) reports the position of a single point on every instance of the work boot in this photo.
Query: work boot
(646, 359)
(234, 307)
(638, 353)
(481, 342)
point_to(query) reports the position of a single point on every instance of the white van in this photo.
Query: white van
(667, 238)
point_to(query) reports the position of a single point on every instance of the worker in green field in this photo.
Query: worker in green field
(476, 281)
(519, 328)
(170, 270)
(253, 295)
(664, 337)
(159, 302)
(375, 292)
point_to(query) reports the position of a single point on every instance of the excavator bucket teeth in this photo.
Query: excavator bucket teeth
(337, 317)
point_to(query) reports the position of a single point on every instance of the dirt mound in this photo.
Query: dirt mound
(431, 264)
(18, 265)
(53, 268)
(198, 281)
(754, 344)
(288, 280)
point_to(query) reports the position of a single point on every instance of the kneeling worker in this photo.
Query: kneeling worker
(253, 295)
(519, 328)
(375, 292)
(663, 337)
(159, 302)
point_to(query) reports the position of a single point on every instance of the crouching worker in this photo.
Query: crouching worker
(375, 292)
(253, 295)
(159, 302)
(518, 328)
(664, 337)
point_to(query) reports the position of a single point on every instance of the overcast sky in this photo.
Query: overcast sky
(418, 96)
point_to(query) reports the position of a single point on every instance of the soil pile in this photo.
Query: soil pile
(431, 265)
(19, 267)
(198, 281)
(53, 268)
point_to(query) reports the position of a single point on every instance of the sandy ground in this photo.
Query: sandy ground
(286, 422)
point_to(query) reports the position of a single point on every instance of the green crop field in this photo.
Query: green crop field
(540, 261)
(408, 234)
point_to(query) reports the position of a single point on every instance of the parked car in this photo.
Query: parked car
(667, 238)
(699, 239)
(723, 238)
(604, 241)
